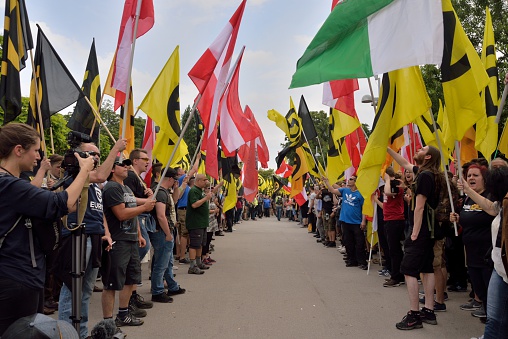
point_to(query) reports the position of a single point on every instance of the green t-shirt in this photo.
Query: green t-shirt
(196, 217)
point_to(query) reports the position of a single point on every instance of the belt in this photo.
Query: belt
(182, 208)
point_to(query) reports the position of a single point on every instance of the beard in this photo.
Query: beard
(419, 159)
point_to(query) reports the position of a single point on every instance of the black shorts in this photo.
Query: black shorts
(125, 266)
(418, 257)
(197, 238)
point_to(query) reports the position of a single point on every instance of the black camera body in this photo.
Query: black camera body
(394, 185)
(70, 163)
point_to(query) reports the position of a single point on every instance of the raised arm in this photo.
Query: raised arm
(400, 160)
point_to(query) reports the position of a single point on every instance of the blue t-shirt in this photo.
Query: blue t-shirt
(182, 202)
(351, 208)
(266, 203)
(93, 219)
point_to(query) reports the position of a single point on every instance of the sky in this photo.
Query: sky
(275, 34)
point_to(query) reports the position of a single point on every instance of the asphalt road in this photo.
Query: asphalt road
(272, 280)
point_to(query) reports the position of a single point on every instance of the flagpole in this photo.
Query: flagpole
(313, 157)
(374, 103)
(197, 149)
(450, 196)
(184, 129)
(501, 104)
(37, 103)
(51, 139)
(457, 151)
(98, 117)
(128, 89)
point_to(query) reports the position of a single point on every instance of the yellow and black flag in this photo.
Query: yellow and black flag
(162, 104)
(486, 127)
(56, 88)
(17, 40)
(462, 74)
(277, 185)
(83, 119)
(338, 155)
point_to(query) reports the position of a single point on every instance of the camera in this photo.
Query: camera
(394, 185)
(70, 163)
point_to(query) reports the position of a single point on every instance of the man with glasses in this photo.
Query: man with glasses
(353, 222)
(140, 161)
(95, 229)
(121, 209)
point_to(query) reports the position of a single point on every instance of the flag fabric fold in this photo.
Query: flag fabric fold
(83, 119)
(17, 40)
(363, 38)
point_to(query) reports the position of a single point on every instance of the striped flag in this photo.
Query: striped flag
(148, 143)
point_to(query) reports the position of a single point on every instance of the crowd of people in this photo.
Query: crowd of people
(418, 211)
(435, 229)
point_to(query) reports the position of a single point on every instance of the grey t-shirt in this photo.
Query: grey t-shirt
(115, 194)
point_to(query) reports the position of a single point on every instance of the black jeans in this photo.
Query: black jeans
(480, 278)
(355, 243)
(394, 230)
(17, 301)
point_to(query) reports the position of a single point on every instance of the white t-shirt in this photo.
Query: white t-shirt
(496, 251)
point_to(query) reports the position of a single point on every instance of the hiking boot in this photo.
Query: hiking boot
(162, 298)
(428, 316)
(203, 266)
(363, 267)
(471, 306)
(391, 283)
(140, 302)
(184, 261)
(178, 291)
(410, 321)
(438, 307)
(128, 320)
(195, 270)
(136, 311)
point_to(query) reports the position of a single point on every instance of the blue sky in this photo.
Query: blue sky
(275, 33)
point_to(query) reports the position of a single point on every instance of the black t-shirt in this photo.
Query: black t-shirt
(425, 185)
(134, 183)
(116, 194)
(327, 201)
(476, 225)
(162, 196)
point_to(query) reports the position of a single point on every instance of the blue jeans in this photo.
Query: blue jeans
(143, 250)
(65, 300)
(279, 212)
(162, 263)
(497, 308)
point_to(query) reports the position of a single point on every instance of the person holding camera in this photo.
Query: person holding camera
(163, 241)
(394, 224)
(354, 223)
(121, 211)
(95, 231)
(22, 261)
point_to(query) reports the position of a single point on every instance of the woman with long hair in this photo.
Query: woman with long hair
(21, 258)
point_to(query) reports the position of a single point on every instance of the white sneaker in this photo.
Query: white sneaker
(175, 268)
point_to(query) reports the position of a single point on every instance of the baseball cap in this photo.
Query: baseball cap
(40, 326)
(171, 173)
(126, 162)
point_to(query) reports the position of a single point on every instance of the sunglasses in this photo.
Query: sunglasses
(145, 159)
(120, 164)
(93, 154)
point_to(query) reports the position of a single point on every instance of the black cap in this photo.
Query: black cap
(126, 162)
(171, 173)
(40, 326)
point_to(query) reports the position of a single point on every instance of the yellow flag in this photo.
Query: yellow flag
(503, 141)
(279, 120)
(338, 159)
(162, 104)
(294, 124)
(296, 186)
(344, 124)
(403, 98)
(462, 74)
(300, 167)
(486, 127)
(230, 187)
(468, 151)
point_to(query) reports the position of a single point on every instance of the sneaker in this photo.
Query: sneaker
(136, 311)
(203, 267)
(211, 260)
(363, 267)
(331, 244)
(391, 283)
(184, 261)
(351, 264)
(438, 307)
(457, 288)
(428, 316)
(410, 322)
(384, 273)
(342, 250)
(140, 284)
(128, 320)
(479, 313)
(175, 268)
(195, 270)
(140, 302)
(162, 298)
(473, 305)
(319, 240)
(178, 291)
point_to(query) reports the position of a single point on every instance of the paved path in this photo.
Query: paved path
(272, 280)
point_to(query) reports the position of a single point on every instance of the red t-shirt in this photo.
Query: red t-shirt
(393, 207)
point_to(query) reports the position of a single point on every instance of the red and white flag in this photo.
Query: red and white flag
(250, 173)
(412, 142)
(284, 170)
(301, 197)
(148, 143)
(235, 128)
(356, 143)
(124, 46)
(261, 147)
(209, 74)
